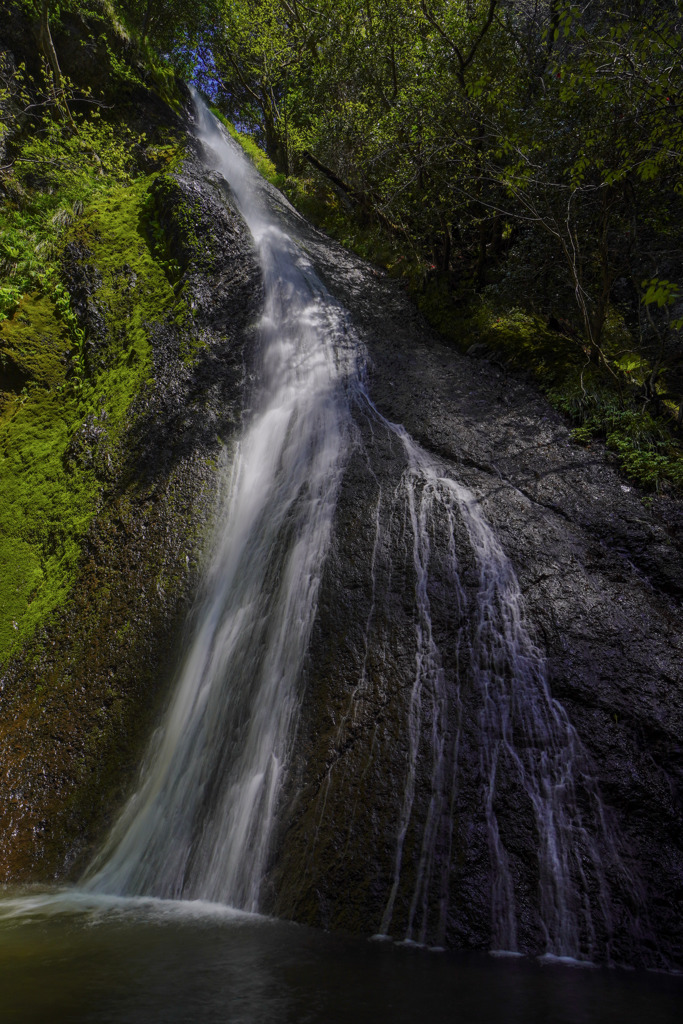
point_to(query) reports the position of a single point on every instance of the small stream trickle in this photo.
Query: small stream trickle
(525, 737)
(202, 820)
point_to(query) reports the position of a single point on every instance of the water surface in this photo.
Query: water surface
(78, 958)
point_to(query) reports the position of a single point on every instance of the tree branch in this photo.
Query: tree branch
(361, 198)
(463, 62)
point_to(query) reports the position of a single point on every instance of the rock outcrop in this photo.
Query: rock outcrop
(600, 568)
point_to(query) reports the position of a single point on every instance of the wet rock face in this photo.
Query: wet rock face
(600, 573)
(77, 705)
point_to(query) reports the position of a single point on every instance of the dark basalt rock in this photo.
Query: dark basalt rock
(601, 571)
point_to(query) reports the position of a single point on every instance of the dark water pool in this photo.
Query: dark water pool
(71, 958)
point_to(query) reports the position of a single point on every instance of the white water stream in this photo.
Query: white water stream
(201, 821)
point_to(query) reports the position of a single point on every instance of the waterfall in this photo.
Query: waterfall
(201, 822)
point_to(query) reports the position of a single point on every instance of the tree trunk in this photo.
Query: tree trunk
(363, 201)
(444, 261)
(334, 178)
(496, 244)
(275, 146)
(480, 268)
(48, 48)
(146, 20)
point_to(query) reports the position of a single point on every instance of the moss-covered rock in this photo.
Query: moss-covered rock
(61, 432)
(45, 502)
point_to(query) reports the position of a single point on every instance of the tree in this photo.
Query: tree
(598, 163)
(169, 25)
(259, 50)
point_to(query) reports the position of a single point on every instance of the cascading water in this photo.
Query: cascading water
(202, 820)
(200, 823)
(524, 735)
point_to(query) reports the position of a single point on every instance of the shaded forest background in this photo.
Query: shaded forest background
(518, 164)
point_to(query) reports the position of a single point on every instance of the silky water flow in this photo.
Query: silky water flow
(201, 821)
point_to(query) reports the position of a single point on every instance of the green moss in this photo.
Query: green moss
(54, 391)
(44, 506)
(134, 294)
(167, 245)
(35, 342)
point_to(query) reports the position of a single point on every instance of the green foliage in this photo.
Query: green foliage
(582, 435)
(664, 293)
(646, 451)
(55, 173)
(166, 24)
(649, 468)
